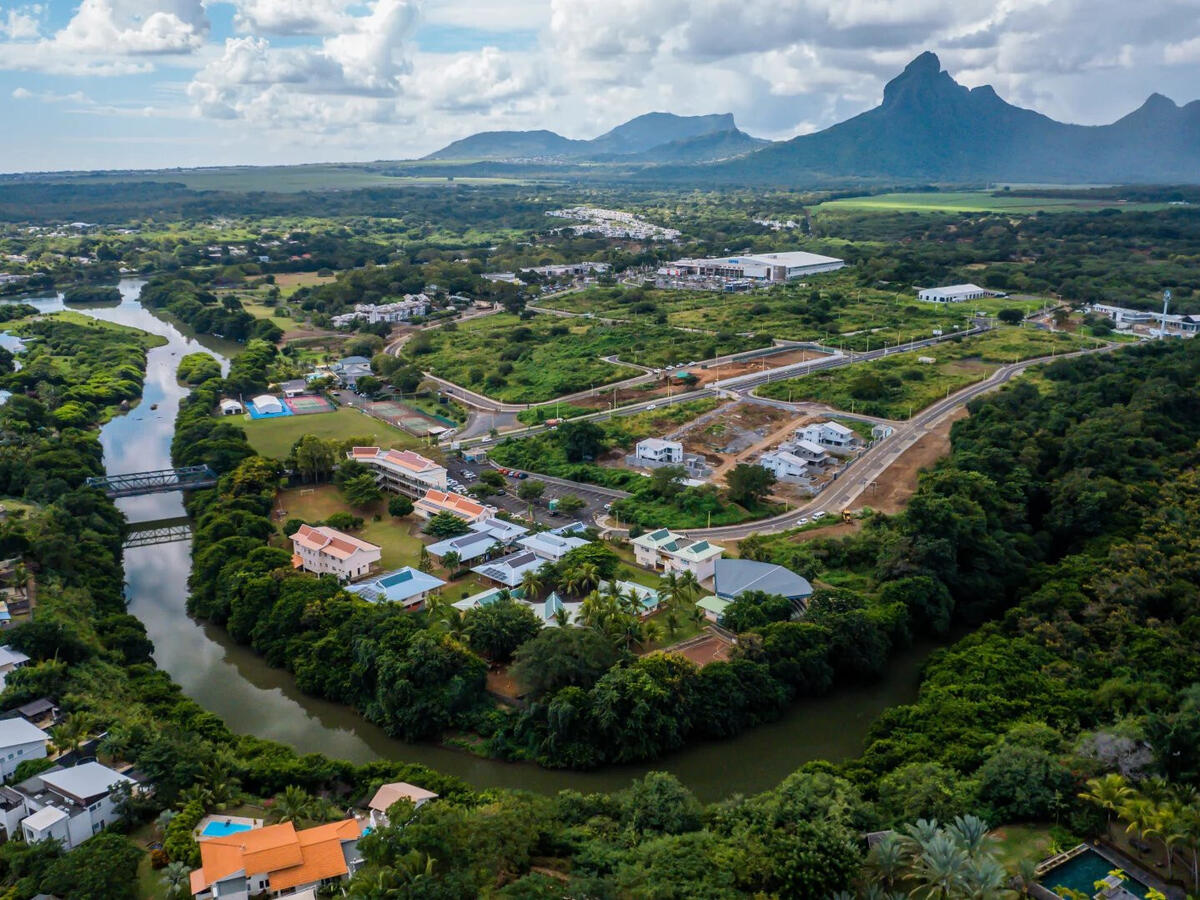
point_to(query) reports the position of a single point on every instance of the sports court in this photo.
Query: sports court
(307, 404)
(411, 420)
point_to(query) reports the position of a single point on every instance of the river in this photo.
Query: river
(249, 696)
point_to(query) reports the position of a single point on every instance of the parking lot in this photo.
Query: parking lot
(594, 501)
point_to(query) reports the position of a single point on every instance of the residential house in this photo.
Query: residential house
(326, 550)
(657, 451)
(19, 740)
(669, 552)
(487, 597)
(407, 586)
(713, 607)
(349, 369)
(399, 311)
(231, 407)
(68, 805)
(277, 860)
(434, 502)
(510, 570)
(501, 530)
(10, 659)
(786, 466)
(811, 453)
(549, 546)
(647, 598)
(473, 545)
(401, 471)
(833, 435)
(734, 577)
(390, 794)
(41, 712)
(293, 388)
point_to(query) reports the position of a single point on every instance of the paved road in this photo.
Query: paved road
(594, 497)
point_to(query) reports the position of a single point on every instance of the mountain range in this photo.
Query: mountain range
(928, 128)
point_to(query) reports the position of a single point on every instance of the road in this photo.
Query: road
(594, 497)
(875, 461)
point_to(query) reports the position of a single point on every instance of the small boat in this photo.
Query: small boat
(154, 406)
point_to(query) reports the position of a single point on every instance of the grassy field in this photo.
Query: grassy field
(845, 315)
(275, 437)
(896, 387)
(547, 357)
(976, 201)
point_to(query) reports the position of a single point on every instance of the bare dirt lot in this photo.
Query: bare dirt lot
(703, 651)
(732, 370)
(893, 489)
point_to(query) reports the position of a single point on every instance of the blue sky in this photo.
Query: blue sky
(164, 83)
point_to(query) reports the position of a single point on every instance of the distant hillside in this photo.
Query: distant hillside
(931, 128)
(653, 137)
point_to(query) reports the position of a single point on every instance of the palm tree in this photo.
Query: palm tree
(196, 793)
(583, 578)
(985, 879)
(1164, 824)
(1189, 820)
(1139, 812)
(970, 833)
(220, 782)
(162, 821)
(71, 733)
(888, 859)
(293, 805)
(177, 879)
(531, 585)
(1109, 792)
(940, 869)
(1026, 875)
(451, 560)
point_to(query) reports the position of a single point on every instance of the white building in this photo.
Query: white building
(955, 293)
(265, 403)
(811, 453)
(324, 550)
(434, 502)
(68, 805)
(669, 552)
(390, 794)
(401, 471)
(786, 466)
(657, 450)
(230, 407)
(19, 740)
(571, 269)
(828, 434)
(10, 659)
(400, 311)
(771, 267)
(549, 546)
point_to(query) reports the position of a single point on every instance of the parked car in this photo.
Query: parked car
(819, 514)
(803, 520)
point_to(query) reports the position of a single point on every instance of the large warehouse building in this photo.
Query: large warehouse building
(758, 267)
(956, 293)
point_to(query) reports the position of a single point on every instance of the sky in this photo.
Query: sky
(135, 84)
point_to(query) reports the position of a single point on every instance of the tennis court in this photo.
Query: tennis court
(411, 420)
(307, 404)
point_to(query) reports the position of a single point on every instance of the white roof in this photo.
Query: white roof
(658, 444)
(19, 731)
(792, 259)
(958, 289)
(810, 447)
(266, 401)
(87, 780)
(836, 426)
(11, 657)
(782, 456)
(44, 818)
(226, 403)
(399, 790)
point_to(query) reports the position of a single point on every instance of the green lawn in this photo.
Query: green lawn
(275, 437)
(547, 357)
(976, 201)
(896, 387)
(1017, 842)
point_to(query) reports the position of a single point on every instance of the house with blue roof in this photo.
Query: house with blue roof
(550, 546)
(502, 531)
(469, 546)
(734, 577)
(510, 570)
(408, 586)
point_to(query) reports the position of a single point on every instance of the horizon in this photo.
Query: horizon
(183, 84)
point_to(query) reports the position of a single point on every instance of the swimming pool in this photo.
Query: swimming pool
(221, 829)
(1083, 871)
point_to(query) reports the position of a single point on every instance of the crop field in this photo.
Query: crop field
(975, 201)
(275, 437)
(899, 386)
(546, 357)
(832, 310)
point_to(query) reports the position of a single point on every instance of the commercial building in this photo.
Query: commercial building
(324, 550)
(268, 405)
(401, 471)
(760, 267)
(407, 586)
(734, 577)
(664, 550)
(572, 270)
(956, 293)
(399, 311)
(276, 861)
(67, 805)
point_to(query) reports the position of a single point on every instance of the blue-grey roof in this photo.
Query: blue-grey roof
(733, 577)
(467, 546)
(510, 570)
(396, 587)
(500, 529)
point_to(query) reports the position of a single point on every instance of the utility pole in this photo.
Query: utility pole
(1162, 331)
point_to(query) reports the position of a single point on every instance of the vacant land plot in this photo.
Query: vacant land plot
(831, 309)
(891, 491)
(975, 201)
(275, 437)
(898, 386)
(547, 357)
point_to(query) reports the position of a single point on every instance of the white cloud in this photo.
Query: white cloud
(484, 81)
(291, 17)
(1183, 52)
(21, 24)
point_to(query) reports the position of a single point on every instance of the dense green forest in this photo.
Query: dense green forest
(204, 311)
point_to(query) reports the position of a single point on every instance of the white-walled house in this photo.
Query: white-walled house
(68, 805)
(786, 466)
(834, 435)
(659, 451)
(19, 740)
(813, 454)
(669, 552)
(324, 550)
(549, 546)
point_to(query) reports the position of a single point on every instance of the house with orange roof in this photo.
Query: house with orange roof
(324, 550)
(401, 471)
(276, 860)
(465, 508)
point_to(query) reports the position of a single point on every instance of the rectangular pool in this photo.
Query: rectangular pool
(1082, 873)
(221, 829)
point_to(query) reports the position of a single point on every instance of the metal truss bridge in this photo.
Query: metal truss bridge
(160, 531)
(160, 481)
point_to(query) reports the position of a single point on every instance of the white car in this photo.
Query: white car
(803, 520)
(819, 514)
(652, 406)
